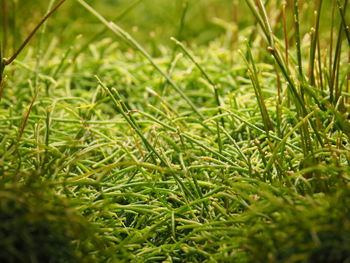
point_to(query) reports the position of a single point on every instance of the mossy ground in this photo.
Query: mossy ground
(211, 148)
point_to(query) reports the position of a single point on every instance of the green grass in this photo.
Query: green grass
(227, 143)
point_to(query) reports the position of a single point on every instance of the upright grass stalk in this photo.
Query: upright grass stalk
(263, 21)
(39, 50)
(4, 15)
(279, 148)
(335, 85)
(342, 11)
(336, 90)
(297, 37)
(2, 67)
(253, 74)
(319, 64)
(184, 12)
(179, 36)
(313, 46)
(285, 33)
(302, 109)
(330, 59)
(279, 101)
(2, 85)
(235, 17)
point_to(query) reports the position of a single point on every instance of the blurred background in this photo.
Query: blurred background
(152, 22)
(147, 20)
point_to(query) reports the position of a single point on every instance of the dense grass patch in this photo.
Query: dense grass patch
(225, 144)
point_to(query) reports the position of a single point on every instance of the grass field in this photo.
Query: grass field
(175, 131)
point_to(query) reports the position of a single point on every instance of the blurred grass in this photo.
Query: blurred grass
(149, 20)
